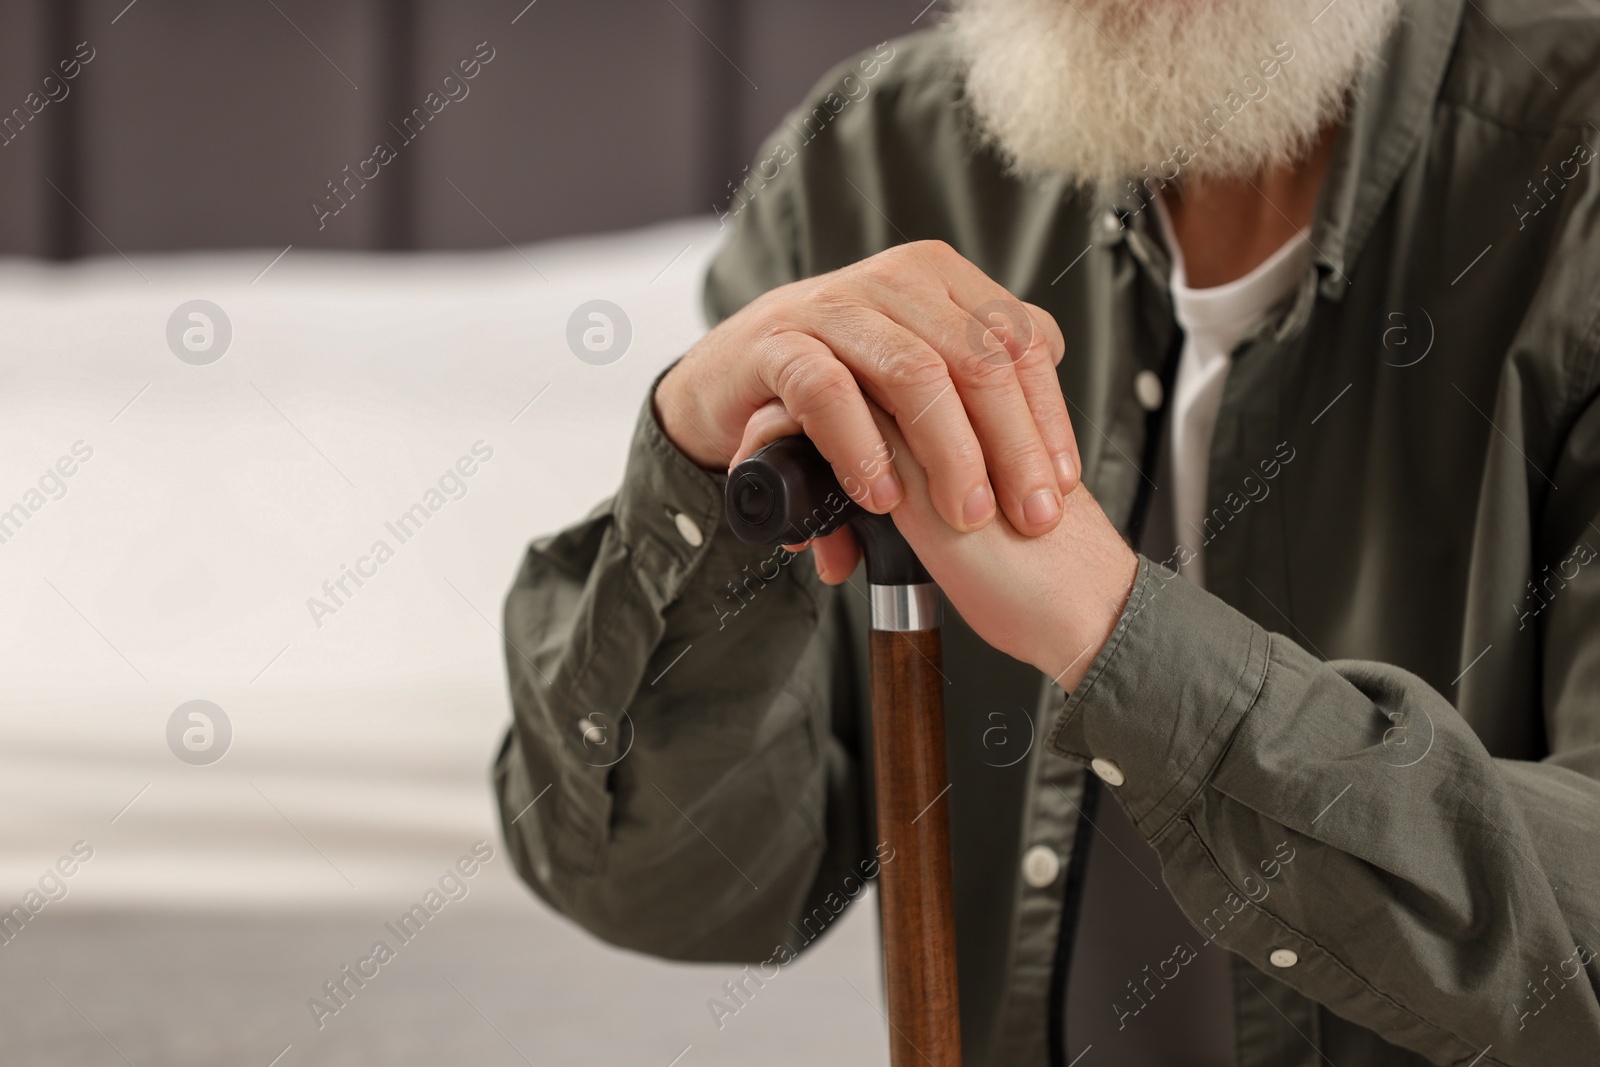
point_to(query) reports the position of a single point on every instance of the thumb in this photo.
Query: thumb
(766, 424)
(837, 554)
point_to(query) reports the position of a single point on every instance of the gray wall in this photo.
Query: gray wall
(212, 124)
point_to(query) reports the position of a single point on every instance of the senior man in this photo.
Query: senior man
(1299, 301)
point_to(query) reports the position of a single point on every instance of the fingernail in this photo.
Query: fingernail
(979, 506)
(1042, 508)
(887, 492)
(1066, 471)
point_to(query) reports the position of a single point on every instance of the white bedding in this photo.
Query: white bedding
(179, 559)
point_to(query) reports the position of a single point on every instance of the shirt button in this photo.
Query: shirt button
(1282, 957)
(1147, 387)
(1109, 772)
(689, 530)
(1040, 865)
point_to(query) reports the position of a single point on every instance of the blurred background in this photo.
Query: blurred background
(214, 125)
(221, 382)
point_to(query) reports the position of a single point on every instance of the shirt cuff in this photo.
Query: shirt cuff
(669, 512)
(1163, 699)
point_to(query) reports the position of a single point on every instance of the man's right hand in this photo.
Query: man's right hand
(966, 370)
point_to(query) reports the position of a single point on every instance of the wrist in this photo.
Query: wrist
(1087, 615)
(680, 426)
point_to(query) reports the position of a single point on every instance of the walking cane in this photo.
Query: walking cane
(785, 494)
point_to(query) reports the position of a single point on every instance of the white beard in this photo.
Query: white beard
(1107, 90)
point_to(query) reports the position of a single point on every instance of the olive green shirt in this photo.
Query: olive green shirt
(1366, 754)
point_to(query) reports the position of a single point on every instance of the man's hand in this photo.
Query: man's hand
(1051, 600)
(965, 371)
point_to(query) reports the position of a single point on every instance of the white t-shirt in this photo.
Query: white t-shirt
(1213, 321)
(1147, 989)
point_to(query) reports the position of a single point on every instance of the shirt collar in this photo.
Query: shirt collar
(1392, 110)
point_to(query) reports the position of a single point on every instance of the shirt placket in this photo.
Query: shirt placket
(1117, 435)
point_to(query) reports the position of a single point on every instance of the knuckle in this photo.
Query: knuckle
(965, 456)
(1020, 461)
(953, 452)
(776, 347)
(834, 294)
(890, 263)
(1001, 330)
(911, 259)
(912, 368)
(1048, 335)
(815, 384)
(773, 334)
(994, 370)
(1041, 349)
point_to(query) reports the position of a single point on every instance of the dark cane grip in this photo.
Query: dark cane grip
(786, 493)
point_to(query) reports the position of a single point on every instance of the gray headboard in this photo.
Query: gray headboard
(183, 124)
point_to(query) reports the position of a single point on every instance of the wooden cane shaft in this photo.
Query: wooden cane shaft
(919, 943)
